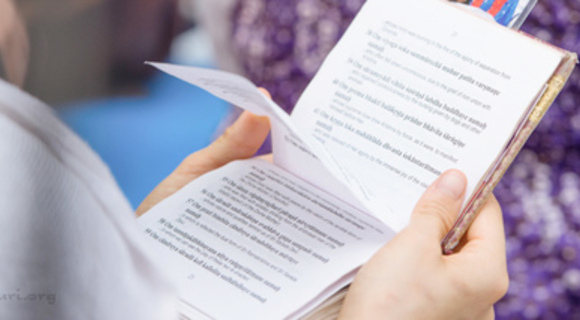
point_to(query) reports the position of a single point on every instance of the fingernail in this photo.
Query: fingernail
(452, 183)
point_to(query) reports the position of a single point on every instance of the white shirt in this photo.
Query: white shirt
(69, 246)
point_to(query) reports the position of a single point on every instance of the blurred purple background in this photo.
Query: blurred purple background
(281, 44)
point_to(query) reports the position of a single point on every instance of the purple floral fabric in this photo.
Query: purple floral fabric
(281, 45)
(540, 194)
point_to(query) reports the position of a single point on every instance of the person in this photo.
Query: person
(410, 277)
(62, 229)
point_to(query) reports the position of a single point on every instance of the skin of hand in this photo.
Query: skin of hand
(240, 141)
(410, 278)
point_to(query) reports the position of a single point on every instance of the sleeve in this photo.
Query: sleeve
(68, 242)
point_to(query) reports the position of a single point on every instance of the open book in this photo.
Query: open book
(412, 89)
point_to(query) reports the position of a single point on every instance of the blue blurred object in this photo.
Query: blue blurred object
(143, 138)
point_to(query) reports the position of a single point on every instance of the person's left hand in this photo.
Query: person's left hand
(240, 141)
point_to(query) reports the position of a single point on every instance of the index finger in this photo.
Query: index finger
(487, 229)
(483, 254)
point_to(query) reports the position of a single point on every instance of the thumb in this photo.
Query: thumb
(240, 141)
(437, 209)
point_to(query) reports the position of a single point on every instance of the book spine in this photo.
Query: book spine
(554, 87)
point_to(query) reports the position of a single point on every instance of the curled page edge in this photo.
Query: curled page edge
(352, 193)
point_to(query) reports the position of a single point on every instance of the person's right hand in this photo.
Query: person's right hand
(410, 278)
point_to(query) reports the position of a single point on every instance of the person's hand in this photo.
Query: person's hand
(240, 141)
(14, 46)
(410, 278)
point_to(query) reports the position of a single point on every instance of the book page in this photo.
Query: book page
(418, 87)
(255, 238)
(293, 150)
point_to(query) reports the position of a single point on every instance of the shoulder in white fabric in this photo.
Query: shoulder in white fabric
(68, 243)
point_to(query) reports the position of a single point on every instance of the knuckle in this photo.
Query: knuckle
(234, 143)
(500, 286)
(227, 138)
(186, 164)
(493, 283)
(228, 134)
(462, 287)
(192, 158)
(438, 209)
(194, 164)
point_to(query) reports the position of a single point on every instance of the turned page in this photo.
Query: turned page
(310, 159)
(415, 88)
